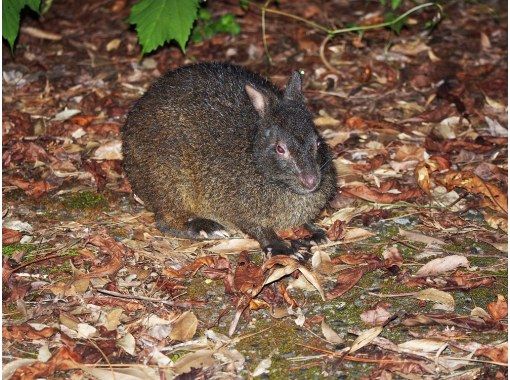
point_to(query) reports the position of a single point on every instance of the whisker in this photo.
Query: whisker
(325, 163)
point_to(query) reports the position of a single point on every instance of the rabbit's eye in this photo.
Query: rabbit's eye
(280, 149)
(318, 143)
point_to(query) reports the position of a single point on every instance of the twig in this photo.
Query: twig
(322, 54)
(331, 32)
(104, 356)
(239, 338)
(392, 295)
(304, 20)
(387, 23)
(54, 256)
(357, 359)
(264, 35)
(142, 298)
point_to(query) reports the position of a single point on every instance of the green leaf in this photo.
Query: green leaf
(395, 4)
(244, 4)
(11, 10)
(160, 21)
(204, 14)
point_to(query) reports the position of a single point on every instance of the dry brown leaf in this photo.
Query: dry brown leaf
(113, 318)
(422, 345)
(61, 360)
(415, 236)
(10, 236)
(498, 354)
(185, 327)
(364, 338)
(409, 152)
(376, 317)
(345, 281)
(117, 252)
(392, 257)
(25, 331)
(235, 246)
(421, 174)
(498, 309)
(313, 280)
(496, 197)
(336, 231)
(496, 221)
(479, 312)
(32, 188)
(248, 277)
(197, 359)
(281, 272)
(376, 195)
(438, 296)
(355, 234)
(329, 334)
(442, 265)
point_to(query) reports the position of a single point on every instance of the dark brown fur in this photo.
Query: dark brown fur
(201, 155)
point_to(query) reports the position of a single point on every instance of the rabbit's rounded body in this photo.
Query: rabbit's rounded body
(196, 148)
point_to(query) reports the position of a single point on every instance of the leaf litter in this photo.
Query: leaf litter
(412, 281)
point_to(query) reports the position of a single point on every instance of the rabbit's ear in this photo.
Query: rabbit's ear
(293, 88)
(258, 99)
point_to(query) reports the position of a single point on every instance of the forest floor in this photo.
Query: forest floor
(412, 282)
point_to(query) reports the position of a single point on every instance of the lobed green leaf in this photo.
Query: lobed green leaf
(160, 21)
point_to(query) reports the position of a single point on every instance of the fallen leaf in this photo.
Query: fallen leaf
(376, 195)
(86, 331)
(63, 359)
(113, 319)
(32, 188)
(336, 231)
(127, 343)
(198, 359)
(25, 331)
(422, 345)
(44, 353)
(498, 354)
(9, 368)
(138, 372)
(354, 234)
(496, 197)
(392, 258)
(326, 121)
(421, 174)
(345, 281)
(185, 327)
(329, 334)
(112, 150)
(409, 152)
(235, 246)
(262, 367)
(346, 214)
(281, 272)
(116, 251)
(313, 280)
(498, 309)
(10, 236)
(461, 321)
(479, 312)
(248, 276)
(442, 265)
(65, 114)
(364, 338)
(376, 317)
(420, 238)
(438, 296)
